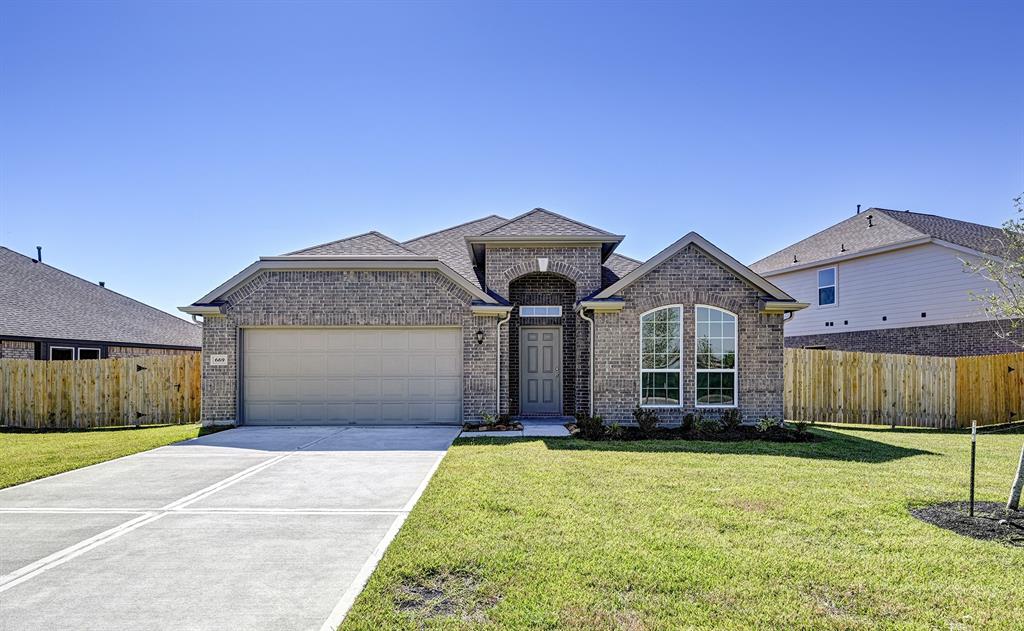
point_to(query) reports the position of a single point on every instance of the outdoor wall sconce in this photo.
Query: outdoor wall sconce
(479, 336)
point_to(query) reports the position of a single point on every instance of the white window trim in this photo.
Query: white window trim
(640, 351)
(61, 348)
(78, 353)
(834, 286)
(735, 363)
(540, 315)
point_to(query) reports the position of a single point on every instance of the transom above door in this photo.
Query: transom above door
(540, 370)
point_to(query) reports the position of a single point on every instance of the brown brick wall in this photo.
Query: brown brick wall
(689, 278)
(943, 340)
(15, 349)
(138, 351)
(346, 298)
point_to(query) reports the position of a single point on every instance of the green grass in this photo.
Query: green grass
(559, 533)
(26, 456)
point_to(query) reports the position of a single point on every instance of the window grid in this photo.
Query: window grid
(660, 354)
(715, 357)
(540, 312)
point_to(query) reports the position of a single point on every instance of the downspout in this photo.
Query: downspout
(590, 370)
(497, 370)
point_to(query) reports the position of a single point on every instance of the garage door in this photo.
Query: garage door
(338, 376)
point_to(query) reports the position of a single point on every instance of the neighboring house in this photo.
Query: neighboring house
(493, 316)
(890, 281)
(46, 313)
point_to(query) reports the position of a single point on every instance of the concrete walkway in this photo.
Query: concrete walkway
(251, 528)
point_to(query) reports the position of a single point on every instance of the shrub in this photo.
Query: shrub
(504, 419)
(801, 427)
(590, 427)
(708, 425)
(615, 431)
(767, 424)
(731, 419)
(647, 420)
(688, 423)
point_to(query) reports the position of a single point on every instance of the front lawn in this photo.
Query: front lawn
(26, 456)
(562, 533)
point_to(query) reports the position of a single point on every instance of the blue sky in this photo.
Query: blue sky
(163, 147)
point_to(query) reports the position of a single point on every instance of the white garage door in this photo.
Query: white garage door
(337, 376)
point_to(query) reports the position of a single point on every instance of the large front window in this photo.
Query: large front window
(660, 367)
(716, 357)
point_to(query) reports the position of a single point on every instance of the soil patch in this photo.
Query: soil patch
(511, 426)
(991, 521)
(446, 594)
(776, 434)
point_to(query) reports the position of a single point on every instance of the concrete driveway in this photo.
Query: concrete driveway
(251, 528)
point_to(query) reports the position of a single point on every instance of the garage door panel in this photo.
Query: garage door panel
(313, 376)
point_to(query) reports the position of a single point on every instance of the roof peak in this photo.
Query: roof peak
(580, 227)
(372, 234)
(455, 227)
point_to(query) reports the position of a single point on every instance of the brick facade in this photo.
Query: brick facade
(944, 340)
(16, 349)
(545, 288)
(139, 351)
(346, 298)
(688, 278)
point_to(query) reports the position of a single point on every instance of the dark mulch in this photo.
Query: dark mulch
(991, 521)
(511, 426)
(778, 434)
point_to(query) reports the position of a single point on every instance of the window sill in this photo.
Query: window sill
(717, 407)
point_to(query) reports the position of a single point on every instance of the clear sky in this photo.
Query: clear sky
(163, 147)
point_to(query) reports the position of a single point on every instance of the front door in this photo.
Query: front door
(540, 370)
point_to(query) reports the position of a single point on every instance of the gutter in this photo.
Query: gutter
(782, 306)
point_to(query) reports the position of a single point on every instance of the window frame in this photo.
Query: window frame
(78, 352)
(540, 315)
(834, 286)
(735, 370)
(640, 357)
(49, 353)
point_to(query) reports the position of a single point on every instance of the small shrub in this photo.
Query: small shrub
(708, 426)
(801, 428)
(731, 419)
(647, 420)
(688, 422)
(767, 424)
(504, 419)
(486, 418)
(590, 427)
(615, 431)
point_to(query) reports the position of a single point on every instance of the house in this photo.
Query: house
(531, 316)
(890, 281)
(49, 314)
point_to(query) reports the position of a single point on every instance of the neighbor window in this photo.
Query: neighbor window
(61, 353)
(88, 353)
(540, 312)
(660, 368)
(716, 357)
(826, 286)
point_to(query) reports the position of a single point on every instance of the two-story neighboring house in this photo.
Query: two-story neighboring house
(890, 281)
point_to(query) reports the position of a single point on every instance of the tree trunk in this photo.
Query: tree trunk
(1018, 485)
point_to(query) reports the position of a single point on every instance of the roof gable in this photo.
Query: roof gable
(975, 236)
(371, 243)
(544, 223)
(45, 302)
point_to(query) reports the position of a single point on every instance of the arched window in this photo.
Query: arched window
(660, 361)
(716, 357)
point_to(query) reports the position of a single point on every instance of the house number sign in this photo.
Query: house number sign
(218, 360)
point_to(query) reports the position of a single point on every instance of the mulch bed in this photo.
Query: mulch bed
(511, 426)
(991, 521)
(743, 432)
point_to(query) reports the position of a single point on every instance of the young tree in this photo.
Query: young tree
(1005, 304)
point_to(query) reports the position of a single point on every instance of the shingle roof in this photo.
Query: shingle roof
(371, 243)
(616, 266)
(888, 227)
(449, 245)
(37, 300)
(541, 222)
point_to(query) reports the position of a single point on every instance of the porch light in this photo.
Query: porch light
(479, 336)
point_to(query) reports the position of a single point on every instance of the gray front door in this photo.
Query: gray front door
(540, 370)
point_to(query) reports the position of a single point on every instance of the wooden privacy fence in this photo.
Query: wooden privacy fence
(905, 390)
(100, 392)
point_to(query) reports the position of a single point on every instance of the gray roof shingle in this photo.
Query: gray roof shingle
(616, 266)
(889, 227)
(37, 300)
(371, 243)
(541, 222)
(449, 245)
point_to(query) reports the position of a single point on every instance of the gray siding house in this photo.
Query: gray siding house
(49, 314)
(533, 316)
(891, 281)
